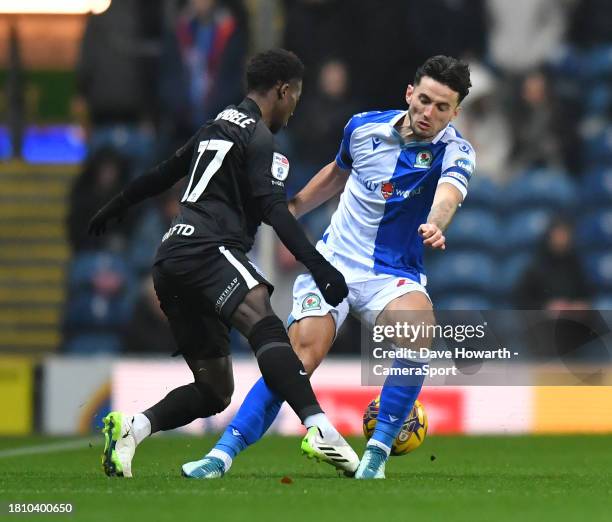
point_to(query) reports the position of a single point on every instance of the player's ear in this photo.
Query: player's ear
(409, 92)
(456, 112)
(283, 90)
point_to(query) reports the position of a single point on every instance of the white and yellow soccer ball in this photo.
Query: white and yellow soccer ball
(413, 431)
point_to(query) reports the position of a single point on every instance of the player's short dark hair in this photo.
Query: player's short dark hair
(450, 71)
(267, 68)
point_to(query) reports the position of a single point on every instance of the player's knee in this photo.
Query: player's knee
(212, 400)
(266, 333)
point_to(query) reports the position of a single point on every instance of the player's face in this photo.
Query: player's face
(432, 107)
(288, 97)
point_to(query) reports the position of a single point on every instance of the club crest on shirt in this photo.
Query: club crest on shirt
(280, 166)
(423, 159)
(311, 302)
(386, 189)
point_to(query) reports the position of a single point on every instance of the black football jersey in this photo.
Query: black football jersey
(230, 162)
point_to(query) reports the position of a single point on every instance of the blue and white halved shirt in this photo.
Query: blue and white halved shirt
(390, 191)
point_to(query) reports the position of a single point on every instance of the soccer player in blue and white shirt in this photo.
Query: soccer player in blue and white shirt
(402, 174)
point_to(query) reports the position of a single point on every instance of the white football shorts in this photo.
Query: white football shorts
(369, 292)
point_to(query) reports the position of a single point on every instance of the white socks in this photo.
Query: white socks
(321, 421)
(141, 427)
(380, 445)
(227, 460)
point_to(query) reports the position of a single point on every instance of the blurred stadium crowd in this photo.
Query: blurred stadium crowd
(535, 230)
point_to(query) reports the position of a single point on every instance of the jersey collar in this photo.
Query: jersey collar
(403, 143)
(250, 105)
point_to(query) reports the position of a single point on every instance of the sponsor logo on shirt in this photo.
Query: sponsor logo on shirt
(280, 166)
(386, 189)
(179, 229)
(311, 302)
(465, 164)
(423, 159)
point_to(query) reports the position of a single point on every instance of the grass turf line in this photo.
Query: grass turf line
(471, 479)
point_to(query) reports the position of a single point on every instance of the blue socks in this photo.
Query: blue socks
(257, 413)
(261, 406)
(396, 401)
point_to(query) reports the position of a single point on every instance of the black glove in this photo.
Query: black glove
(330, 282)
(114, 209)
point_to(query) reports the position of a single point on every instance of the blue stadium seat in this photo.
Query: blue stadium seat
(524, 229)
(510, 270)
(482, 193)
(85, 266)
(474, 228)
(597, 147)
(86, 310)
(603, 302)
(597, 187)
(463, 301)
(541, 188)
(100, 295)
(599, 269)
(594, 231)
(468, 271)
(88, 344)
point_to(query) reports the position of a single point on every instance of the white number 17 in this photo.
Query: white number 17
(222, 147)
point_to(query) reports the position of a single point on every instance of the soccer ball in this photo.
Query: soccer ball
(412, 434)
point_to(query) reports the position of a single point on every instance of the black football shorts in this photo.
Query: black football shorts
(199, 295)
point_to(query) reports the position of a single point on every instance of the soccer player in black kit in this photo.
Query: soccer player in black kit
(204, 279)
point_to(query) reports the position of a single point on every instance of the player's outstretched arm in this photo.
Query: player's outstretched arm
(446, 201)
(325, 184)
(157, 180)
(329, 280)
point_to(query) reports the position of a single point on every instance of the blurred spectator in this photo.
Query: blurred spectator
(104, 174)
(98, 304)
(555, 279)
(316, 135)
(318, 29)
(111, 74)
(536, 143)
(201, 66)
(320, 119)
(483, 123)
(524, 34)
(389, 42)
(148, 330)
(151, 227)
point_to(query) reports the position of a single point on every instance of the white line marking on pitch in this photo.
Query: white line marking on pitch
(52, 447)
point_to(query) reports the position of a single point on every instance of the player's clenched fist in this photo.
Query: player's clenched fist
(330, 282)
(432, 236)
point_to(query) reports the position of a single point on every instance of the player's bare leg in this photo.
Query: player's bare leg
(413, 308)
(312, 338)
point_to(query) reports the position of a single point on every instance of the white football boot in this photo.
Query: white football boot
(119, 445)
(336, 452)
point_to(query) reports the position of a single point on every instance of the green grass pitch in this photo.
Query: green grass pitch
(448, 479)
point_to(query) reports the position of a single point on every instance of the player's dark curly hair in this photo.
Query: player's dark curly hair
(267, 68)
(447, 70)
